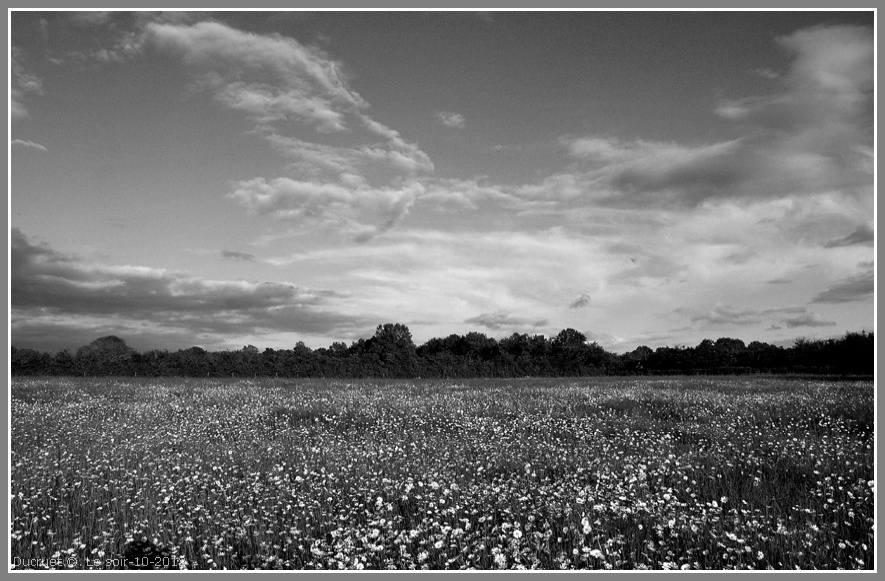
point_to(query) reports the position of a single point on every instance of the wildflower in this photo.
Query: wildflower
(517, 534)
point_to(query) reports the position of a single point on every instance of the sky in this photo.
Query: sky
(647, 178)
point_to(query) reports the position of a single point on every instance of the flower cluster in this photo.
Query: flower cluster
(662, 473)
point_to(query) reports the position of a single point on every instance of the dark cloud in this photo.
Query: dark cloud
(239, 256)
(807, 320)
(781, 280)
(581, 301)
(500, 319)
(727, 315)
(863, 235)
(855, 288)
(51, 290)
(811, 135)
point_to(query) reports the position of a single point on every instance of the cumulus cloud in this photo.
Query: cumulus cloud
(28, 144)
(502, 320)
(449, 119)
(855, 288)
(50, 289)
(863, 235)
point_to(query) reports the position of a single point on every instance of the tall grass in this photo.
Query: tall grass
(688, 473)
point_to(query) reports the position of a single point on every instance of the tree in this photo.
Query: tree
(395, 352)
(108, 355)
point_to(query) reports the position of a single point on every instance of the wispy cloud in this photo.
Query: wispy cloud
(449, 119)
(807, 320)
(28, 144)
(811, 136)
(855, 288)
(22, 84)
(501, 320)
(363, 186)
(353, 208)
(90, 18)
(237, 256)
(863, 235)
(722, 315)
(274, 79)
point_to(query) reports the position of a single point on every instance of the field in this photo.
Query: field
(649, 473)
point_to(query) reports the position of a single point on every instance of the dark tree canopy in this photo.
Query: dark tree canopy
(391, 352)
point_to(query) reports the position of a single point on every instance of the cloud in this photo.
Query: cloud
(581, 301)
(812, 135)
(237, 256)
(863, 235)
(28, 144)
(721, 315)
(807, 320)
(501, 320)
(302, 83)
(766, 73)
(90, 18)
(363, 185)
(454, 120)
(346, 206)
(275, 80)
(855, 288)
(53, 290)
(22, 84)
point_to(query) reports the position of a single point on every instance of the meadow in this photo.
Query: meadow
(601, 473)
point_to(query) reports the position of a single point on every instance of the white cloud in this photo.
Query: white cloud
(28, 144)
(812, 136)
(349, 206)
(275, 80)
(449, 119)
(22, 84)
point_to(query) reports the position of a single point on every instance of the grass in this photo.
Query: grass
(651, 473)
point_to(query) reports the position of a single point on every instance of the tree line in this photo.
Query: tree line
(390, 352)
